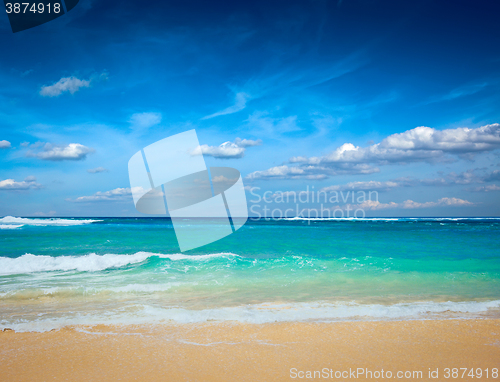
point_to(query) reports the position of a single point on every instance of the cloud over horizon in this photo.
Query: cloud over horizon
(410, 204)
(421, 144)
(311, 172)
(117, 194)
(468, 177)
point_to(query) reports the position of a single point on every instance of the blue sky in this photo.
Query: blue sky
(396, 97)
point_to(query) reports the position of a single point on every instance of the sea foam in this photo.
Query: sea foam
(14, 222)
(30, 263)
(10, 226)
(260, 314)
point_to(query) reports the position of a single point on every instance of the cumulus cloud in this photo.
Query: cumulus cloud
(97, 170)
(240, 103)
(421, 144)
(73, 151)
(142, 121)
(417, 145)
(66, 84)
(281, 172)
(118, 194)
(311, 172)
(4, 144)
(410, 204)
(227, 150)
(27, 184)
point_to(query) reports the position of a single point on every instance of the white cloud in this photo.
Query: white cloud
(280, 172)
(376, 205)
(5, 144)
(467, 177)
(73, 151)
(227, 150)
(27, 184)
(311, 172)
(247, 142)
(410, 204)
(223, 179)
(66, 84)
(417, 145)
(118, 194)
(459, 140)
(240, 103)
(142, 121)
(369, 185)
(422, 144)
(97, 170)
(298, 159)
(464, 178)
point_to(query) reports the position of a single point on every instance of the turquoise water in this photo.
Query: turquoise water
(56, 272)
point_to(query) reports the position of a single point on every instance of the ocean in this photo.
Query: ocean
(57, 272)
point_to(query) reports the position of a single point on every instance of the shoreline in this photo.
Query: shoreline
(220, 351)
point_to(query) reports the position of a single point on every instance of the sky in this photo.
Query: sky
(341, 97)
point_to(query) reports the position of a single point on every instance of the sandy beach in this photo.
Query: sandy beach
(254, 352)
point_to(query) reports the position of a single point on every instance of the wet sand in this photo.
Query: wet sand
(253, 352)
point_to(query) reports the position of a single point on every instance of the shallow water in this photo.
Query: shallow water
(56, 272)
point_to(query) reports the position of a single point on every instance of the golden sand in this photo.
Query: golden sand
(252, 352)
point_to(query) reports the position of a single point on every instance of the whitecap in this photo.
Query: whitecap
(10, 220)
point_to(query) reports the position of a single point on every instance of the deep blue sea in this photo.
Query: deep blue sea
(64, 271)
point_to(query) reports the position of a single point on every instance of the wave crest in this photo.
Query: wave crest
(30, 263)
(14, 222)
(10, 226)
